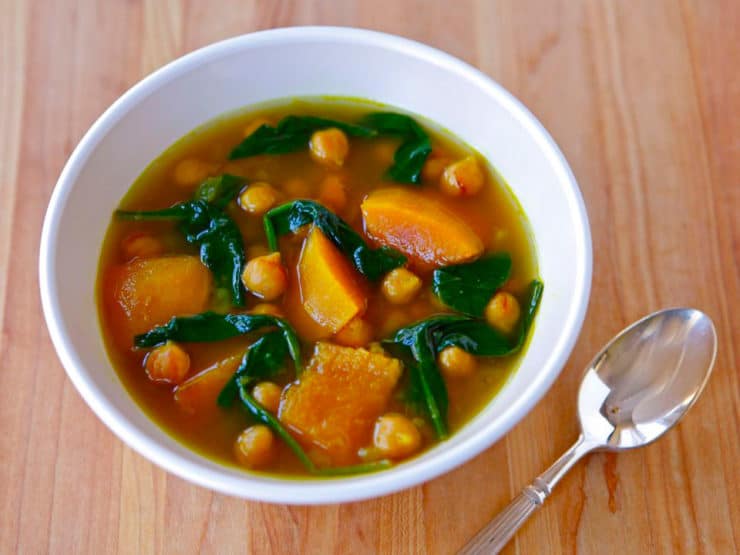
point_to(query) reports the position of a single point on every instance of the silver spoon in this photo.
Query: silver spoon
(634, 391)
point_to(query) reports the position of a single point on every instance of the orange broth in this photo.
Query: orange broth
(493, 214)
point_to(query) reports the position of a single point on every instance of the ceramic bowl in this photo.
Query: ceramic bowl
(310, 61)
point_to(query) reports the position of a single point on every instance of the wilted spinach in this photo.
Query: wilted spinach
(219, 191)
(409, 158)
(291, 134)
(420, 343)
(289, 217)
(468, 287)
(211, 326)
(264, 358)
(204, 223)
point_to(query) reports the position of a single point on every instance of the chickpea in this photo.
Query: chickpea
(463, 178)
(400, 285)
(255, 447)
(267, 394)
(141, 245)
(502, 311)
(258, 198)
(357, 333)
(433, 168)
(332, 193)
(168, 363)
(254, 125)
(265, 276)
(395, 436)
(268, 308)
(191, 171)
(329, 146)
(456, 362)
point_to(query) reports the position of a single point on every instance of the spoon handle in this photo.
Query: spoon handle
(496, 534)
(499, 531)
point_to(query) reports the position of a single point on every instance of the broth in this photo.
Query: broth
(493, 214)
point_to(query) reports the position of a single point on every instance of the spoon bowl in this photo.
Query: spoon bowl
(635, 390)
(646, 378)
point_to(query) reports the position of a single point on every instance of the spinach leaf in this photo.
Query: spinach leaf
(291, 134)
(204, 327)
(408, 161)
(468, 287)
(427, 387)
(219, 191)
(420, 343)
(221, 246)
(263, 416)
(406, 336)
(409, 158)
(204, 223)
(531, 304)
(429, 381)
(264, 358)
(288, 218)
(392, 123)
(477, 338)
(363, 468)
(211, 326)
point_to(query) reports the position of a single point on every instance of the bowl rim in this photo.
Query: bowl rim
(314, 491)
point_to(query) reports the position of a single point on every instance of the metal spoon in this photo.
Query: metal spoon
(634, 391)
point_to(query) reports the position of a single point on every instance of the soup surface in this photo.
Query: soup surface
(316, 287)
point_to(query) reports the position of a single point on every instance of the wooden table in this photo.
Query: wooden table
(643, 98)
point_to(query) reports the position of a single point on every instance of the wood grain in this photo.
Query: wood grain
(643, 98)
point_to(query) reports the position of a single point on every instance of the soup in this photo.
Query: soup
(316, 287)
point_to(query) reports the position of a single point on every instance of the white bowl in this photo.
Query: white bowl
(298, 62)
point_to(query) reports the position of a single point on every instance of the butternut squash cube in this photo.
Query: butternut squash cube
(334, 404)
(308, 329)
(148, 292)
(198, 394)
(331, 291)
(420, 227)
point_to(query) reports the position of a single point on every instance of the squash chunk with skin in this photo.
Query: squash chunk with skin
(334, 404)
(148, 292)
(198, 394)
(420, 227)
(331, 291)
(308, 329)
